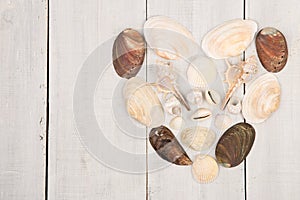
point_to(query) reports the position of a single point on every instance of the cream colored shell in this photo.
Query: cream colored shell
(262, 98)
(222, 121)
(142, 102)
(169, 38)
(205, 169)
(229, 39)
(198, 138)
(176, 123)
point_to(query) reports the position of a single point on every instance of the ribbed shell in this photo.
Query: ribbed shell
(235, 144)
(128, 53)
(167, 147)
(205, 169)
(272, 49)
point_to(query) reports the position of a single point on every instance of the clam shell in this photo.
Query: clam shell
(262, 98)
(234, 105)
(176, 123)
(167, 147)
(229, 39)
(195, 97)
(212, 97)
(272, 49)
(142, 102)
(235, 144)
(198, 138)
(128, 53)
(201, 114)
(205, 169)
(222, 121)
(169, 39)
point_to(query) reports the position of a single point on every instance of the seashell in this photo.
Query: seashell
(128, 53)
(195, 97)
(234, 105)
(169, 39)
(235, 144)
(205, 169)
(222, 121)
(176, 123)
(205, 67)
(142, 102)
(229, 39)
(172, 105)
(167, 85)
(272, 50)
(195, 78)
(167, 147)
(212, 97)
(201, 114)
(236, 75)
(198, 138)
(262, 98)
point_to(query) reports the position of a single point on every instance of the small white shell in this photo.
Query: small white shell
(176, 123)
(198, 138)
(195, 78)
(222, 121)
(212, 97)
(195, 97)
(234, 105)
(201, 114)
(172, 105)
(205, 169)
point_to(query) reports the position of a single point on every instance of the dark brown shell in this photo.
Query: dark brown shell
(271, 48)
(235, 144)
(167, 147)
(128, 53)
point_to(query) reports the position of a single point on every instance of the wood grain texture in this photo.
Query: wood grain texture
(273, 165)
(77, 28)
(174, 182)
(23, 58)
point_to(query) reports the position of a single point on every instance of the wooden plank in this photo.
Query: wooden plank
(78, 30)
(23, 58)
(175, 182)
(273, 165)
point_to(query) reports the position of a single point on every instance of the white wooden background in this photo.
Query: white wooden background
(41, 154)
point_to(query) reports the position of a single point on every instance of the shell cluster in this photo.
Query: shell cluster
(163, 99)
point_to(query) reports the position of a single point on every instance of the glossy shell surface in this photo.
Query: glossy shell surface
(128, 53)
(167, 147)
(235, 144)
(272, 49)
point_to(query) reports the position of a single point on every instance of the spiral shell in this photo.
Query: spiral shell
(167, 147)
(169, 39)
(262, 98)
(142, 102)
(229, 39)
(235, 144)
(128, 53)
(198, 138)
(205, 169)
(234, 105)
(195, 97)
(272, 49)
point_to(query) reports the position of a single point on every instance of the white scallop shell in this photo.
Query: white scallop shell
(176, 123)
(262, 98)
(198, 138)
(212, 97)
(229, 39)
(205, 169)
(195, 97)
(142, 102)
(169, 39)
(201, 114)
(234, 105)
(222, 121)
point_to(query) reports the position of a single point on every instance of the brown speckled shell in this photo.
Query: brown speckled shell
(235, 144)
(128, 53)
(272, 50)
(167, 147)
